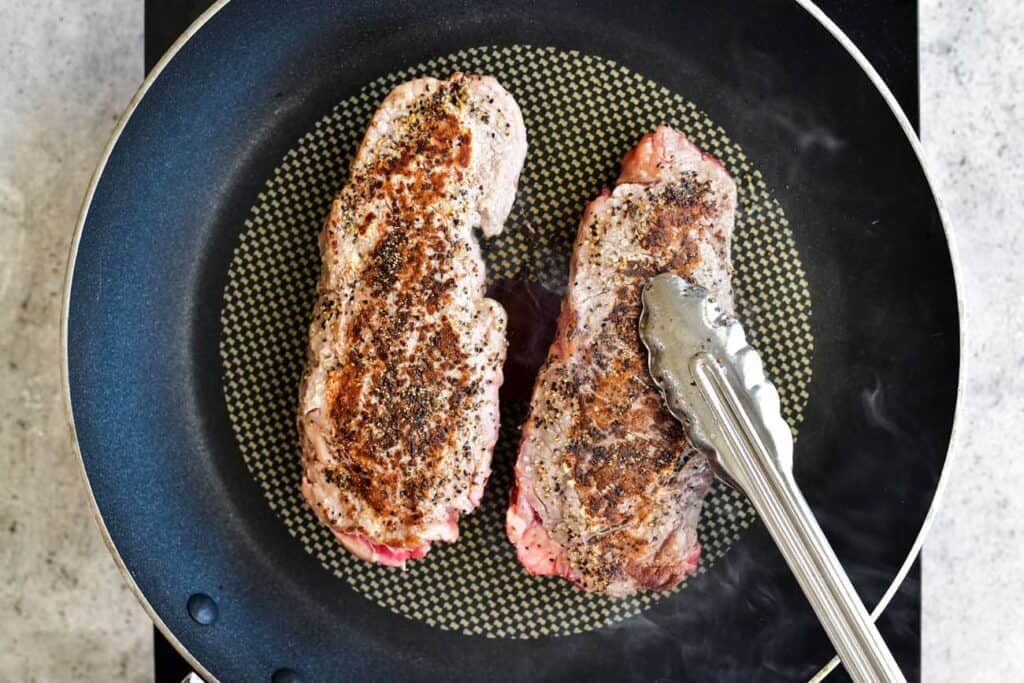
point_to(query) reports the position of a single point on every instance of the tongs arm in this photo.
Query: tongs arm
(772, 490)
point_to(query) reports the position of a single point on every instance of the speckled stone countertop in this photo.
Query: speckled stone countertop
(66, 72)
(972, 127)
(68, 69)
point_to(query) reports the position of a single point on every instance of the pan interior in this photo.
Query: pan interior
(582, 113)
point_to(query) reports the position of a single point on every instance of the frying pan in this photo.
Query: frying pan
(211, 562)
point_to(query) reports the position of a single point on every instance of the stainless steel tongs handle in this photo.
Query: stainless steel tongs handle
(780, 505)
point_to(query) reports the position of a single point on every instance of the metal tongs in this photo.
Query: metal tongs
(714, 383)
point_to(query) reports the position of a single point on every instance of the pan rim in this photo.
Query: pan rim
(69, 273)
(807, 5)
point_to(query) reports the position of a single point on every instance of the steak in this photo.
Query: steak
(398, 406)
(608, 488)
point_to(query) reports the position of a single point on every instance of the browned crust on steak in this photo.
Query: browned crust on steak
(433, 150)
(603, 468)
(405, 352)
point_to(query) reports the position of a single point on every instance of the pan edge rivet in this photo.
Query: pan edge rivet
(202, 609)
(285, 676)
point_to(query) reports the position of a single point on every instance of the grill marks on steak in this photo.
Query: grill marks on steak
(608, 488)
(398, 407)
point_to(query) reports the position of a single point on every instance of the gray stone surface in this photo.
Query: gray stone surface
(66, 71)
(973, 133)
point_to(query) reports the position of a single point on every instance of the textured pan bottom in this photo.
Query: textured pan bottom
(582, 113)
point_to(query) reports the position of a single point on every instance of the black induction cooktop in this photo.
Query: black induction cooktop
(887, 32)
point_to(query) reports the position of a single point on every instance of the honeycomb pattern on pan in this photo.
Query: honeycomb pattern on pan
(582, 113)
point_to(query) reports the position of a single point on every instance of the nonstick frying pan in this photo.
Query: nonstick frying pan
(215, 565)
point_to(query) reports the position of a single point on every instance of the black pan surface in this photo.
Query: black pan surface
(146, 290)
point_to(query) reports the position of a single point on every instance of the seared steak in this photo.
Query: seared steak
(608, 488)
(398, 409)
